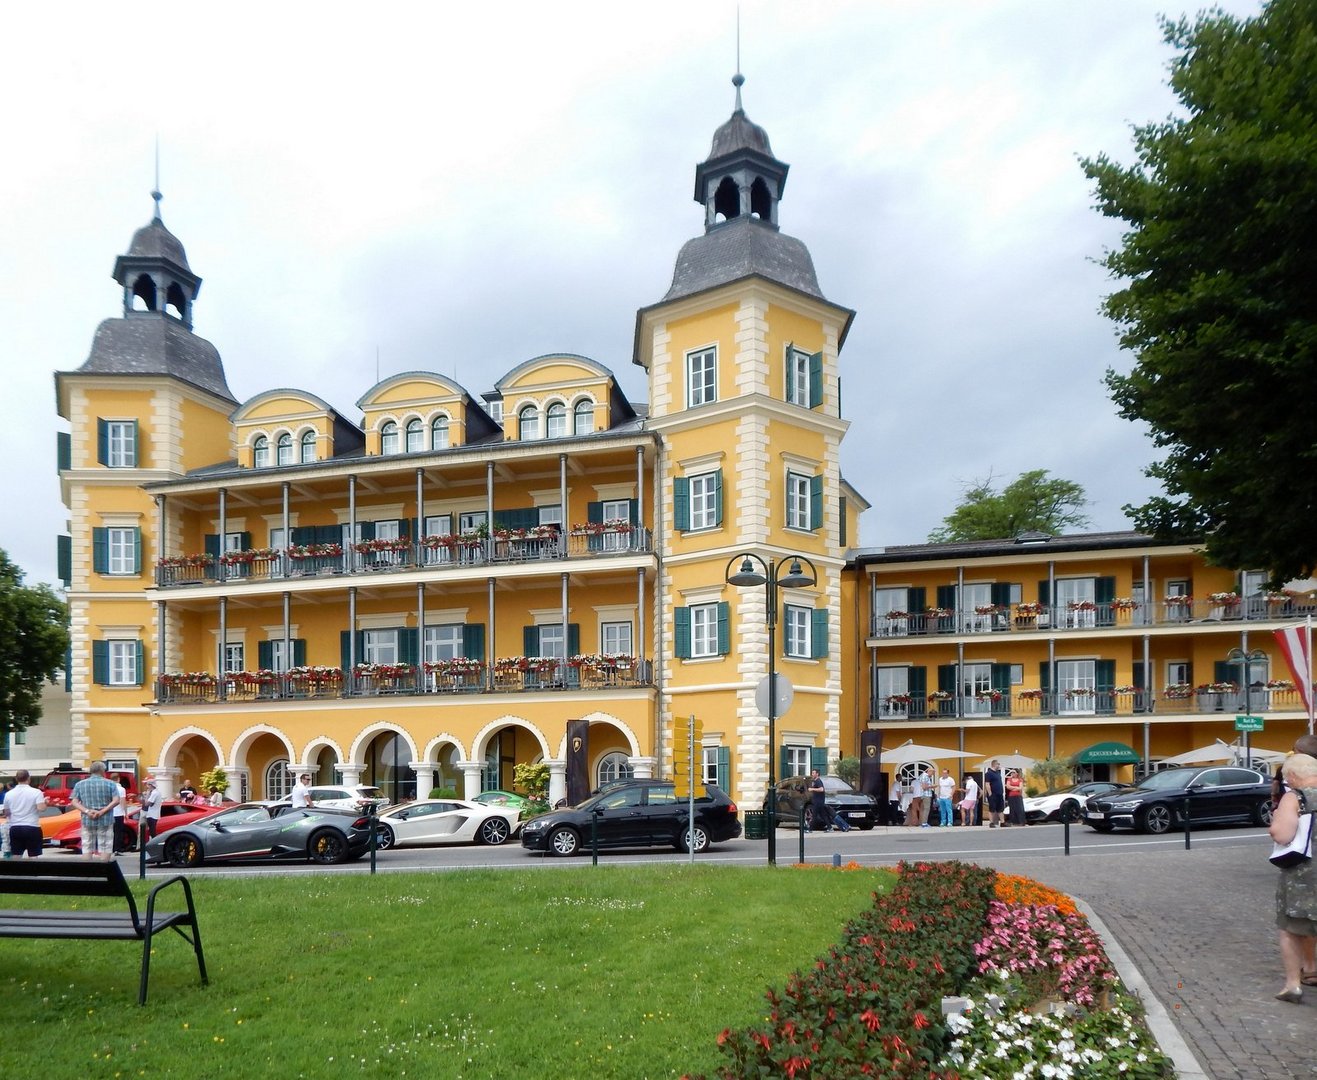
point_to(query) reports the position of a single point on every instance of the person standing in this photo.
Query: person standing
(151, 801)
(818, 805)
(216, 797)
(22, 807)
(1015, 799)
(946, 792)
(996, 790)
(301, 796)
(1296, 888)
(96, 797)
(187, 792)
(969, 805)
(120, 808)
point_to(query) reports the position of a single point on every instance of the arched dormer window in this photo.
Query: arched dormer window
(308, 446)
(439, 433)
(555, 421)
(528, 423)
(389, 438)
(727, 200)
(583, 417)
(761, 202)
(261, 453)
(415, 436)
(284, 449)
(144, 293)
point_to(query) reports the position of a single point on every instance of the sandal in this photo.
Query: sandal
(1308, 978)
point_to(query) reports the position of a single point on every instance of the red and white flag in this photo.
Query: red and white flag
(1296, 643)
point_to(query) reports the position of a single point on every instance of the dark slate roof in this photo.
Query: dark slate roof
(737, 249)
(148, 343)
(1025, 546)
(154, 241)
(739, 133)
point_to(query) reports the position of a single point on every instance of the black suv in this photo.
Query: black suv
(843, 800)
(637, 813)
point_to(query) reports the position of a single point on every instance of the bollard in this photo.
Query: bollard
(142, 839)
(836, 860)
(374, 825)
(1066, 825)
(801, 832)
(1185, 810)
(594, 836)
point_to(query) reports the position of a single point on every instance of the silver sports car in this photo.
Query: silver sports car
(260, 832)
(447, 821)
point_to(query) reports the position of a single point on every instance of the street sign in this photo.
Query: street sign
(1248, 723)
(782, 699)
(687, 755)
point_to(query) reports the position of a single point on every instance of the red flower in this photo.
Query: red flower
(921, 1021)
(870, 1019)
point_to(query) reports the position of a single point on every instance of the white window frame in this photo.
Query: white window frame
(389, 438)
(614, 766)
(555, 421)
(893, 682)
(380, 647)
(1075, 591)
(703, 501)
(797, 624)
(797, 761)
(797, 377)
(283, 449)
(616, 510)
(702, 376)
(528, 423)
(704, 630)
(1076, 675)
(234, 655)
(443, 642)
(798, 500)
(122, 665)
(583, 417)
(975, 678)
(121, 550)
(553, 641)
(617, 637)
(308, 441)
(439, 433)
(278, 779)
(280, 660)
(260, 452)
(415, 436)
(120, 444)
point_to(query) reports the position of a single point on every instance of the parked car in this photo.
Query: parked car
(1214, 795)
(502, 798)
(57, 787)
(172, 814)
(1049, 805)
(359, 797)
(262, 832)
(639, 813)
(446, 821)
(842, 799)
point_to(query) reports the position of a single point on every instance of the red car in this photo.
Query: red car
(172, 814)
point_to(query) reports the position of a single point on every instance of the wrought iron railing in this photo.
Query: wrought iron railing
(1074, 703)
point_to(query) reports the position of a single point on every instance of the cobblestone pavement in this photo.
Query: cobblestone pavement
(1200, 926)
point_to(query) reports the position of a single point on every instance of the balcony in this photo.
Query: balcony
(1223, 698)
(374, 557)
(506, 676)
(1030, 617)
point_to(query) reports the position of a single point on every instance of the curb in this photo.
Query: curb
(1187, 1065)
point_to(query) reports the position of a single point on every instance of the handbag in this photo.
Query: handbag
(1299, 850)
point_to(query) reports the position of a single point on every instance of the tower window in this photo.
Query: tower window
(702, 377)
(556, 421)
(528, 423)
(176, 301)
(144, 293)
(761, 202)
(389, 438)
(583, 418)
(284, 449)
(439, 433)
(308, 446)
(261, 453)
(727, 200)
(415, 436)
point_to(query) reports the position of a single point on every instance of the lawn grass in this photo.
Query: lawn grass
(546, 974)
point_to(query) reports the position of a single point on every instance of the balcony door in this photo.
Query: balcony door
(1076, 687)
(975, 690)
(1076, 602)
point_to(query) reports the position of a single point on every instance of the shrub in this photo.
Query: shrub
(443, 793)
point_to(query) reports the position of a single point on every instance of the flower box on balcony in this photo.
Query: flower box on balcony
(315, 551)
(186, 560)
(249, 556)
(1030, 695)
(187, 678)
(1078, 693)
(1124, 603)
(315, 676)
(988, 695)
(895, 615)
(458, 665)
(1029, 610)
(383, 671)
(1178, 601)
(1218, 688)
(1178, 691)
(264, 677)
(1081, 605)
(384, 544)
(1223, 599)
(598, 528)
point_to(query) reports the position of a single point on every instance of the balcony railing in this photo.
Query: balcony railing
(1087, 615)
(401, 680)
(1073, 703)
(375, 557)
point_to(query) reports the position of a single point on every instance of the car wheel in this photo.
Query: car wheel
(867, 823)
(1262, 812)
(327, 846)
(384, 838)
(495, 831)
(701, 840)
(1155, 819)
(183, 851)
(564, 841)
(1069, 808)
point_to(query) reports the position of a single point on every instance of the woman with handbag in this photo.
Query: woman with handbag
(1296, 889)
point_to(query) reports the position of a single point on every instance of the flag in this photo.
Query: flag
(1296, 643)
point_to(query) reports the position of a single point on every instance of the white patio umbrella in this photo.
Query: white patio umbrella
(1023, 762)
(1217, 751)
(910, 751)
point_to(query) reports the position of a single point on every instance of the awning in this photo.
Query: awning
(1108, 753)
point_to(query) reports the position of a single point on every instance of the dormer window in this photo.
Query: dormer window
(389, 438)
(583, 417)
(308, 446)
(284, 449)
(555, 426)
(439, 433)
(528, 423)
(415, 436)
(261, 453)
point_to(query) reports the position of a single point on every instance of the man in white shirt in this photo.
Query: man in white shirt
(22, 805)
(302, 792)
(120, 808)
(151, 801)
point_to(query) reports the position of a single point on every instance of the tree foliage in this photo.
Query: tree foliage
(1219, 304)
(34, 639)
(1032, 502)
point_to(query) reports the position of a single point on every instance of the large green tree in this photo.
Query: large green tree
(1219, 304)
(1032, 502)
(34, 638)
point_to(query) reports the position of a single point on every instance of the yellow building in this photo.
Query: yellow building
(458, 583)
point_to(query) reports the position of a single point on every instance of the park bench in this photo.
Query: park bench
(51, 877)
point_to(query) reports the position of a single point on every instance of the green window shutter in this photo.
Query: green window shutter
(724, 768)
(100, 550)
(405, 528)
(818, 759)
(946, 596)
(783, 762)
(1044, 592)
(408, 645)
(594, 513)
(100, 662)
(916, 599)
(788, 374)
(1045, 676)
(367, 529)
(212, 545)
(299, 651)
(1140, 675)
(724, 627)
(330, 534)
(1189, 673)
(345, 643)
(102, 442)
(64, 559)
(681, 632)
(473, 641)
(264, 655)
(1105, 675)
(681, 504)
(815, 380)
(718, 498)
(1000, 677)
(634, 506)
(530, 641)
(245, 541)
(63, 450)
(841, 520)
(1224, 671)
(573, 639)
(1104, 590)
(1000, 593)
(916, 681)
(946, 678)
(502, 519)
(818, 637)
(140, 661)
(137, 551)
(816, 503)
(301, 534)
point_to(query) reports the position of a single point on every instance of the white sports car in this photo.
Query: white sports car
(446, 821)
(1047, 807)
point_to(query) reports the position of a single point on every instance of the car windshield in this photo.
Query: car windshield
(1167, 779)
(835, 785)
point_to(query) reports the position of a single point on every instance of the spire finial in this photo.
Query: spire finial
(738, 80)
(155, 193)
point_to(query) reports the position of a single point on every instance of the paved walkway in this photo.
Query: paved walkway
(1200, 927)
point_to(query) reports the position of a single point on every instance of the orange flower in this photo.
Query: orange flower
(1022, 892)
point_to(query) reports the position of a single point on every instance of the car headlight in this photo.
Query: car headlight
(1128, 804)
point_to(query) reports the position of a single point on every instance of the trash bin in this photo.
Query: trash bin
(756, 825)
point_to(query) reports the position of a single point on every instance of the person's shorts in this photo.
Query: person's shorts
(98, 836)
(25, 840)
(996, 804)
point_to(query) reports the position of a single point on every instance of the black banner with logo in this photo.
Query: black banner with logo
(873, 781)
(578, 761)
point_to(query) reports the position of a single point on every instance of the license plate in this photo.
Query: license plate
(858, 815)
(1098, 815)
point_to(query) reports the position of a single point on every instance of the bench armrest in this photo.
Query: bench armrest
(177, 879)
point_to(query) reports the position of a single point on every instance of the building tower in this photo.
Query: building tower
(742, 356)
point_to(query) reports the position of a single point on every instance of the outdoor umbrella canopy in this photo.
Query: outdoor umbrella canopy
(1222, 751)
(1010, 761)
(913, 751)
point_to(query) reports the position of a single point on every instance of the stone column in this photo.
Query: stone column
(424, 777)
(642, 768)
(471, 772)
(351, 773)
(557, 781)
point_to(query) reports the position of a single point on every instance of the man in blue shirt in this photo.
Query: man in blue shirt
(96, 796)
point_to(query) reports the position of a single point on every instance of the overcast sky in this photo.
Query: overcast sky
(459, 190)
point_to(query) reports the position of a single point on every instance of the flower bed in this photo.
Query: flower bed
(1051, 1004)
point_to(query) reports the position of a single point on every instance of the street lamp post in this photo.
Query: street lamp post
(1247, 659)
(755, 571)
